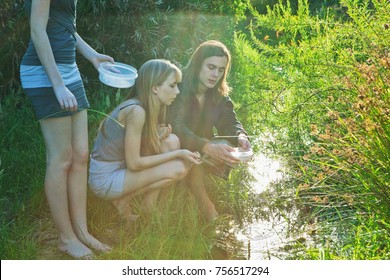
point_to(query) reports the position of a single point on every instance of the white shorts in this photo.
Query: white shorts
(107, 179)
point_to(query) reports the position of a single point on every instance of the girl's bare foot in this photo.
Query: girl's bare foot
(76, 250)
(124, 209)
(131, 218)
(95, 244)
(149, 201)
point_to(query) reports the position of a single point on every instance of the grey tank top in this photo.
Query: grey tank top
(61, 30)
(110, 141)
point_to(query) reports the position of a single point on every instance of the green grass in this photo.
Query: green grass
(327, 107)
(174, 230)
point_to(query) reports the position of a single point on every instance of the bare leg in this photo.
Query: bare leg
(149, 200)
(171, 143)
(57, 135)
(77, 182)
(123, 205)
(149, 181)
(196, 180)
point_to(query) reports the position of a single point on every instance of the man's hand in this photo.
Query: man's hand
(243, 142)
(220, 153)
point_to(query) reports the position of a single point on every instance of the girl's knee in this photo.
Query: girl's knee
(80, 157)
(59, 164)
(64, 161)
(170, 143)
(61, 158)
(180, 169)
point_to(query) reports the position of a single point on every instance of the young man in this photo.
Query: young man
(203, 107)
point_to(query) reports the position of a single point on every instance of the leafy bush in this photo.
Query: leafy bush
(328, 108)
(14, 28)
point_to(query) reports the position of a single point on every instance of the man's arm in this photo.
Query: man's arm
(228, 124)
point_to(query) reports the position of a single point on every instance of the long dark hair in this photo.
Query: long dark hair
(191, 72)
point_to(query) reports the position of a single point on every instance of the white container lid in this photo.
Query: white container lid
(118, 75)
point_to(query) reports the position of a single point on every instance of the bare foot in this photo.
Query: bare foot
(124, 209)
(93, 243)
(131, 218)
(76, 250)
(149, 201)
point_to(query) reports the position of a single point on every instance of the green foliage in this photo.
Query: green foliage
(22, 155)
(16, 236)
(22, 165)
(13, 27)
(134, 39)
(328, 109)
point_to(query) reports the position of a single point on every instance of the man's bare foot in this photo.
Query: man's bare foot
(210, 213)
(76, 250)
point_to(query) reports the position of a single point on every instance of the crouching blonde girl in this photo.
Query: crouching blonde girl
(134, 152)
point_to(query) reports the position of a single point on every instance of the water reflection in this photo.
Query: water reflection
(264, 237)
(265, 171)
(269, 230)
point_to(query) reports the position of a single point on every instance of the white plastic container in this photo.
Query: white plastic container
(242, 155)
(117, 75)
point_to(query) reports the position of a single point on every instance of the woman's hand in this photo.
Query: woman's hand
(192, 157)
(220, 153)
(66, 98)
(164, 130)
(100, 58)
(89, 53)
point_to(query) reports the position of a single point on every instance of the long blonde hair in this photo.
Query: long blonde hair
(152, 73)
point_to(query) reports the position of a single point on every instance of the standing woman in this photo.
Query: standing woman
(203, 108)
(51, 80)
(134, 152)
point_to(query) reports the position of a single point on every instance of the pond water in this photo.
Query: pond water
(266, 170)
(263, 238)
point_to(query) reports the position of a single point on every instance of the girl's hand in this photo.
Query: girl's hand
(99, 58)
(164, 130)
(66, 98)
(192, 157)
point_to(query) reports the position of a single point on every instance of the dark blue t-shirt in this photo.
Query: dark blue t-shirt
(61, 30)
